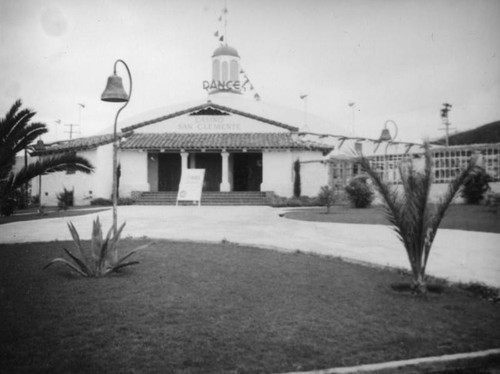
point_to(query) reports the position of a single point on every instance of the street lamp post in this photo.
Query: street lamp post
(386, 135)
(115, 93)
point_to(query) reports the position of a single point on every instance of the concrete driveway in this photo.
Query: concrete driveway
(456, 255)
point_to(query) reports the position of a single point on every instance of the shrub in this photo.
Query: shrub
(8, 206)
(280, 201)
(101, 258)
(108, 202)
(16, 200)
(326, 197)
(296, 182)
(35, 200)
(492, 201)
(476, 186)
(101, 202)
(126, 201)
(65, 199)
(359, 192)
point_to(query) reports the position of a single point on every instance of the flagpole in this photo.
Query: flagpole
(225, 21)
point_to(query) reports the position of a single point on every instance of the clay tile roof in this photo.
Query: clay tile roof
(74, 145)
(217, 141)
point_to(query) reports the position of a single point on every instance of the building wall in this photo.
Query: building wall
(82, 184)
(102, 181)
(134, 172)
(232, 123)
(313, 172)
(277, 173)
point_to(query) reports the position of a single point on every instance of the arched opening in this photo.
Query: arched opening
(216, 70)
(225, 71)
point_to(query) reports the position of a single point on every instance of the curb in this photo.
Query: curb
(400, 364)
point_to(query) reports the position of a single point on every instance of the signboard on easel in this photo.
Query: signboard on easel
(191, 185)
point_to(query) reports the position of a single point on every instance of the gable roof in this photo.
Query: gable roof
(211, 107)
(218, 141)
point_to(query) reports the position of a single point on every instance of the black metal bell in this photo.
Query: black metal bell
(385, 135)
(114, 91)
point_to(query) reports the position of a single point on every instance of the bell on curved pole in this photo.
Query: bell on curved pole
(385, 135)
(114, 91)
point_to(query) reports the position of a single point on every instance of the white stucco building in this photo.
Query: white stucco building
(243, 144)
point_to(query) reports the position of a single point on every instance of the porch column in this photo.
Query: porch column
(184, 161)
(224, 186)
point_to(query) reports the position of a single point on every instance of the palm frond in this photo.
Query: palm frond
(65, 162)
(447, 198)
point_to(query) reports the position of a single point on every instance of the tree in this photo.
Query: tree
(414, 219)
(476, 186)
(296, 182)
(17, 134)
(326, 197)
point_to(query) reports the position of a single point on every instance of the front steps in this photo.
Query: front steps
(207, 198)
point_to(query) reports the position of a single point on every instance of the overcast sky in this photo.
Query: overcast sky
(396, 59)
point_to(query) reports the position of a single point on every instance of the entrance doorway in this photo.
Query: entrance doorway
(212, 163)
(247, 171)
(169, 171)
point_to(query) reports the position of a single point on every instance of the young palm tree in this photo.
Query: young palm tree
(17, 134)
(414, 219)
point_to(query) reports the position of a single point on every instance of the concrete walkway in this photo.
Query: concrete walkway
(456, 255)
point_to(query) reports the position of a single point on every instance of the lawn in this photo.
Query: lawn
(32, 214)
(223, 308)
(458, 217)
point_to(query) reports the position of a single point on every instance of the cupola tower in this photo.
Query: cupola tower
(225, 70)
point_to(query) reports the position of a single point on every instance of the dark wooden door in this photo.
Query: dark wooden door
(212, 163)
(247, 171)
(169, 171)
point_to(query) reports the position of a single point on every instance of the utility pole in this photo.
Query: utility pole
(70, 131)
(444, 117)
(57, 122)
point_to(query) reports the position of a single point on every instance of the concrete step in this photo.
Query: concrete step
(207, 198)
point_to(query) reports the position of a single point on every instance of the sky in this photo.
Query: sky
(397, 60)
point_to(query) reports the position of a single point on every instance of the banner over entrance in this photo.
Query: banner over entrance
(191, 185)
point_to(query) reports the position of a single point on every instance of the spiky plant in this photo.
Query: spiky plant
(413, 217)
(326, 197)
(101, 257)
(17, 134)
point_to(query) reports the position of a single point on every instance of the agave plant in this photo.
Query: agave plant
(101, 258)
(413, 217)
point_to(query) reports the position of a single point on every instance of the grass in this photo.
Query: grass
(458, 217)
(221, 308)
(50, 212)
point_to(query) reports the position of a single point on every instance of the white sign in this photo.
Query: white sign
(191, 185)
